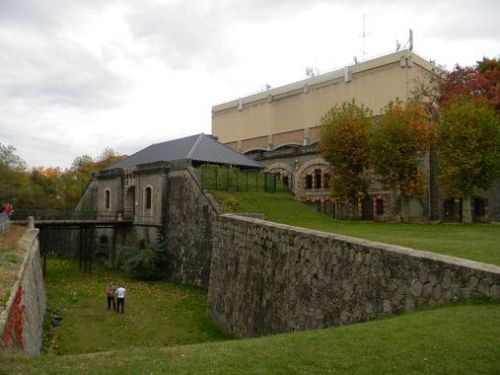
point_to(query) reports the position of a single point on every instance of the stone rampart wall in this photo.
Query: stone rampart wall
(270, 278)
(21, 323)
(189, 229)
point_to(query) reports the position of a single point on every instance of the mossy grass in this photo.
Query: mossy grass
(479, 242)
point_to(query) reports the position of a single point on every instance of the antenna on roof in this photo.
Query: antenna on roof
(312, 71)
(409, 43)
(398, 46)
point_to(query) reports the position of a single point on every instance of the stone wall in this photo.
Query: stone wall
(270, 278)
(189, 228)
(21, 323)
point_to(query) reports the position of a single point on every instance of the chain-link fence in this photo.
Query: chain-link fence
(233, 179)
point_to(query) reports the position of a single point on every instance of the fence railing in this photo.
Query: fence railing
(233, 179)
(23, 214)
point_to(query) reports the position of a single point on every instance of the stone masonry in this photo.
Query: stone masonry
(21, 323)
(269, 278)
(189, 229)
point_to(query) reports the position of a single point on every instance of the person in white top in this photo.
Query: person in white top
(120, 299)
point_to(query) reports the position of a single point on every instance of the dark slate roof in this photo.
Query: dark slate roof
(199, 148)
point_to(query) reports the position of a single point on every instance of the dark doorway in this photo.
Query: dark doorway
(367, 209)
(452, 210)
(479, 209)
(129, 209)
(103, 249)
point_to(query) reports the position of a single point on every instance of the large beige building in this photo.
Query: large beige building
(279, 128)
(289, 115)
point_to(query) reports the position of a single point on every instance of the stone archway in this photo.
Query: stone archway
(285, 172)
(311, 164)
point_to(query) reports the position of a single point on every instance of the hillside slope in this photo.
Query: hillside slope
(457, 339)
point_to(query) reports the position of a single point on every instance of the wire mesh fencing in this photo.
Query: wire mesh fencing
(234, 179)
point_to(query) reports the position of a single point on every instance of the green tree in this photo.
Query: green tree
(83, 164)
(12, 173)
(468, 139)
(148, 262)
(9, 160)
(344, 144)
(399, 139)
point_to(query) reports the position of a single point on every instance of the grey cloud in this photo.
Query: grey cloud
(46, 15)
(467, 20)
(182, 35)
(54, 70)
(187, 33)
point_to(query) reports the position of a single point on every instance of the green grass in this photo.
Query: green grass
(156, 313)
(457, 339)
(480, 242)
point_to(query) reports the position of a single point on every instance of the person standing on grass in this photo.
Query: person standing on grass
(110, 293)
(120, 300)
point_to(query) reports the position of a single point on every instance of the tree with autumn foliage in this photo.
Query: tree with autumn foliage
(481, 81)
(344, 144)
(46, 188)
(468, 139)
(398, 142)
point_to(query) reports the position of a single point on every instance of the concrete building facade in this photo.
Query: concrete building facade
(158, 192)
(279, 128)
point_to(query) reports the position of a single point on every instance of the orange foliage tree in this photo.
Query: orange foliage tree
(344, 144)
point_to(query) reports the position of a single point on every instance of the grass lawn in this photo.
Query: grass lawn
(456, 339)
(480, 242)
(156, 314)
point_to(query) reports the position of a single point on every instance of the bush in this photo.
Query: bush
(148, 262)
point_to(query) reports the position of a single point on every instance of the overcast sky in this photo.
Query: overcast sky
(78, 76)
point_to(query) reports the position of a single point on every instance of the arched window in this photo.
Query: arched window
(285, 181)
(148, 197)
(309, 181)
(326, 183)
(317, 178)
(107, 202)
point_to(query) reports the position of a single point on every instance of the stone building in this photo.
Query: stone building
(157, 190)
(279, 128)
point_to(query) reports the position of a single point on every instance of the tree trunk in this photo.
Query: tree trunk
(467, 209)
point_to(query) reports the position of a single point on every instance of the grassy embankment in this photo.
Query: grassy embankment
(11, 258)
(457, 339)
(479, 242)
